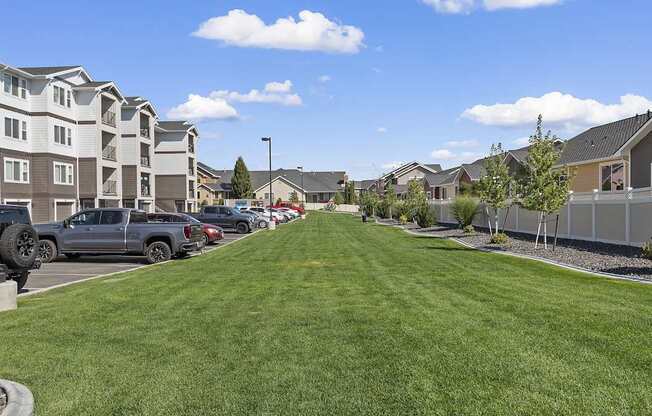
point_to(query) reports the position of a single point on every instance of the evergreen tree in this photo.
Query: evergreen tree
(241, 181)
(544, 189)
(338, 199)
(495, 185)
(294, 198)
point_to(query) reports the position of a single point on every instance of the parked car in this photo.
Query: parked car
(264, 212)
(285, 217)
(293, 213)
(212, 233)
(291, 205)
(117, 231)
(226, 217)
(259, 220)
(18, 244)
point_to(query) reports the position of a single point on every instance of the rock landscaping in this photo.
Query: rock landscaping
(595, 256)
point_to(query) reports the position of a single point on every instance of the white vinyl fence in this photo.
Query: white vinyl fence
(623, 217)
(315, 206)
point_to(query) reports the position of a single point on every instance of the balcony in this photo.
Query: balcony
(108, 118)
(145, 190)
(110, 188)
(145, 162)
(109, 153)
(191, 148)
(144, 133)
(191, 172)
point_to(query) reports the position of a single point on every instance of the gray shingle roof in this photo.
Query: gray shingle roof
(442, 178)
(312, 181)
(47, 70)
(175, 125)
(476, 170)
(134, 101)
(602, 141)
(92, 84)
(365, 184)
(434, 166)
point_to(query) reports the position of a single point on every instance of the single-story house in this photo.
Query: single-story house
(611, 157)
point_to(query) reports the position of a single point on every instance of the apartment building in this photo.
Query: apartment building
(175, 166)
(59, 143)
(139, 119)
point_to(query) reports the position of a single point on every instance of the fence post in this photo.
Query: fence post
(593, 210)
(628, 207)
(569, 215)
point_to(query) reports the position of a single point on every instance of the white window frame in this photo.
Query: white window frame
(22, 89)
(69, 172)
(20, 129)
(12, 201)
(65, 135)
(610, 164)
(24, 166)
(60, 93)
(65, 201)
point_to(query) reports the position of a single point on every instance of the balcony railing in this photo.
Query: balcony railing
(191, 172)
(144, 161)
(145, 190)
(108, 118)
(144, 133)
(109, 153)
(110, 188)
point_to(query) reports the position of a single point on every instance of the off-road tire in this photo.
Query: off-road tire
(47, 251)
(19, 246)
(242, 228)
(158, 252)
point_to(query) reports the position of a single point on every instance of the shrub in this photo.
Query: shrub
(469, 229)
(400, 209)
(464, 209)
(403, 219)
(425, 217)
(646, 250)
(499, 239)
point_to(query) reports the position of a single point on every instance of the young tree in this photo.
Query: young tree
(544, 189)
(415, 199)
(241, 181)
(368, 203)
(338, 199)
(349, 193)
(494, 186)
(294, 198)
(389, 200)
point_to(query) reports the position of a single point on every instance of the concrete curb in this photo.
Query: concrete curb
(20, 401)
(46, 289)
(614, 276)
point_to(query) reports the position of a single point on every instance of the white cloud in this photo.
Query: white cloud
(557, 109)
(382, 130)
(197, 107)
(454, 158)
(282, 87)
(467, 6)
(463, 143)
(324, 78)
(523, 141)
(274, 93)
(392, 165)
(312, 32)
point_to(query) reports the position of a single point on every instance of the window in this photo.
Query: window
(59, 95)
(86, 218)
(612, 177)
(137, 217)
(24, 130)
(16, 171)
(210, 210)
(60, 135)
(68, 99)
(7, 83)
(63, 174)
(23, 89)
(111, 218)
(15, 86)
(15, 129)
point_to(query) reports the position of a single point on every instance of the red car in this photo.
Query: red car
(212, 233)
(290, 205)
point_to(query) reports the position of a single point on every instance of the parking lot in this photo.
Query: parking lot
(66, 271)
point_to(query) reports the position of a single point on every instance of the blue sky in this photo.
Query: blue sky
(383, 82)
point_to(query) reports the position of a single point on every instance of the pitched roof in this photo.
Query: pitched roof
(476, 170)
(312, 181)
(602, 141)
(434, 166)
(47, 70)
(444, 177)
(174, 125)
(93, 84)
(365, 184)
(207, 169)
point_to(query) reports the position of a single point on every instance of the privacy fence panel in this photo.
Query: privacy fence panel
(619, 218)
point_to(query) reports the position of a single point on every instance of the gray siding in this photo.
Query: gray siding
(171, 187)
(641, 163)
(129, 182)
(87, 177)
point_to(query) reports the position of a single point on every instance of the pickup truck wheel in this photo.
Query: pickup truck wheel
(19, 246)
(21, 280)
(242, 228)
(47, 251)
(158, 252)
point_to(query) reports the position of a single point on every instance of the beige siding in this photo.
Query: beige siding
(87, 177)
(171, 187)
(586, 178)
(129, 182)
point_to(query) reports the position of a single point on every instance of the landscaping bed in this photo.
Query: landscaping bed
(596, 256)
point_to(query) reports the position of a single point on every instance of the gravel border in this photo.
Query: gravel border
(610, 259)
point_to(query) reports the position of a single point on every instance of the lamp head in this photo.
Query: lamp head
(266, 139)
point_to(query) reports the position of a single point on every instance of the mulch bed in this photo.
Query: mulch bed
(596, 256)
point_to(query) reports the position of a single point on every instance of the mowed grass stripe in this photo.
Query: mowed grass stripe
(332, 316)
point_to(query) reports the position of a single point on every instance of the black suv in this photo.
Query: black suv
(18, 244)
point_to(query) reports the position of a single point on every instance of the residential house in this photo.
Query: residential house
(611, 157)
(209, 186)
(139, 119)
(175, 166)
(59, 146)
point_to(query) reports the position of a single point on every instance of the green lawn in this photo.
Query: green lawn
(331, 316)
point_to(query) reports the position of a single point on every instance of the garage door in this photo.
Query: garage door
(64, 210)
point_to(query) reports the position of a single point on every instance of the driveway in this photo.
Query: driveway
(67, 271)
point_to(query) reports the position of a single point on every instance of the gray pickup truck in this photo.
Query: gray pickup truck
(225, 217)
(117, 231)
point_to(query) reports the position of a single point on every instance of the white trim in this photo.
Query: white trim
(64, 201)
(68, 173)
(22, 162)
(286, 180)
(611, 163)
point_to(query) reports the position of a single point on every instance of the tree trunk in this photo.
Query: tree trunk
(554, 245)
(496, 219)
(488, 219)
(545, 232)
(536, 242)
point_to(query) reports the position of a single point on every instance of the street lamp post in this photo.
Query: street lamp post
(269, 142)
(303, 191)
